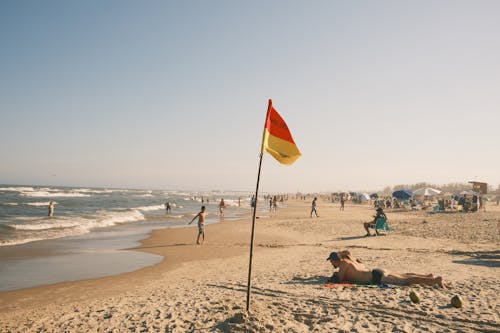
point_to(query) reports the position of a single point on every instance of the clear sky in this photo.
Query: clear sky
(173, 94)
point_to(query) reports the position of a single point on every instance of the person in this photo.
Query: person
(372, 224)
(51, 208)
(253, 201)
(168, 208)
(352, 270)
(201, 224)
(342, 202)
(313, 207)
(222, 206)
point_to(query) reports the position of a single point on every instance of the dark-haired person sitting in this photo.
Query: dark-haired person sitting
(372, 224)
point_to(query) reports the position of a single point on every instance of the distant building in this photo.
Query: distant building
(479, 187)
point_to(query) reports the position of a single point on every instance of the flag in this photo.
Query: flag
(277, 139)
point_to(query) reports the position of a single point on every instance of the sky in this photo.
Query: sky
(173, 94)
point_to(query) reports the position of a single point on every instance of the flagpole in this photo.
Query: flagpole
(255, 212)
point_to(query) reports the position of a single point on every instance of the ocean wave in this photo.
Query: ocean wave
(52, 228)
(47, 194)
(150, 208)
(96, 191)
(16, 189)
(10, 204)
(46, 203)
(174, 216)
(145, 195)
(19, 241)
(58, 224)
(113, 218)
(235, 203)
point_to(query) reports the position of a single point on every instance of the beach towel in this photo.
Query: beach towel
(355, 285)
(338, 285)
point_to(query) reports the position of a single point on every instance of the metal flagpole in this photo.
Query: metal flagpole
(253, 217)
(251, 239)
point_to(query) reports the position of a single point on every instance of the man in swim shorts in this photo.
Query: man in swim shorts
(201, 224)
(352, 270)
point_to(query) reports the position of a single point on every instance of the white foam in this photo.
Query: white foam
(174, 216)
(46, 194)
(10, 204)
(45, 203)
(17, 189)
(144, 195)
(233, 203)
(150, 208)
(45, 228)
(95, 191)
(19, 241)
(112, 218)
(57, 224)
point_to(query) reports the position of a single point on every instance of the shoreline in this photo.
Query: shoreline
(163, 242)
(100, 253)
(203, 287)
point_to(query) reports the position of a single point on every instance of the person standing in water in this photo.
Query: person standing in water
(201, 224)
(222, 206)
(51, 208)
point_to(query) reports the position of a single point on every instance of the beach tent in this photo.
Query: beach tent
(428, 191)
(402, 194)
(364, 197)
(468, 192)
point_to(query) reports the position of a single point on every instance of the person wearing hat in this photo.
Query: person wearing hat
(372, 224)
(354, 271)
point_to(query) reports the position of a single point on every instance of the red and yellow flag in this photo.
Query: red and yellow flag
(278, 140)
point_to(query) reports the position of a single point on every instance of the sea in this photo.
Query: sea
(91, 228)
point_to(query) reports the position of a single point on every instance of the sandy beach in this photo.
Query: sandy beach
(203, 288)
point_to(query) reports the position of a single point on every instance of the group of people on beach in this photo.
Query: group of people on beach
(350, 269)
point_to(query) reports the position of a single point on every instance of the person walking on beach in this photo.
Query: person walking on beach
(342, 202)
(313, 207)
(201, 225)
(222, 206)
(51, 208)
(353, 271)
(168, 208)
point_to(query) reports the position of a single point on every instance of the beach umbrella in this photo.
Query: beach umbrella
(428, 191)
(402, 194)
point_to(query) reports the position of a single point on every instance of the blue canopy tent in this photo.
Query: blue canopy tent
(402, 194)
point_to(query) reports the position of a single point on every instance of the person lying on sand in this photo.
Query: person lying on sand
(352, 270)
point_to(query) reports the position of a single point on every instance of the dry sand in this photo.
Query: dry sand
(203, 288)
